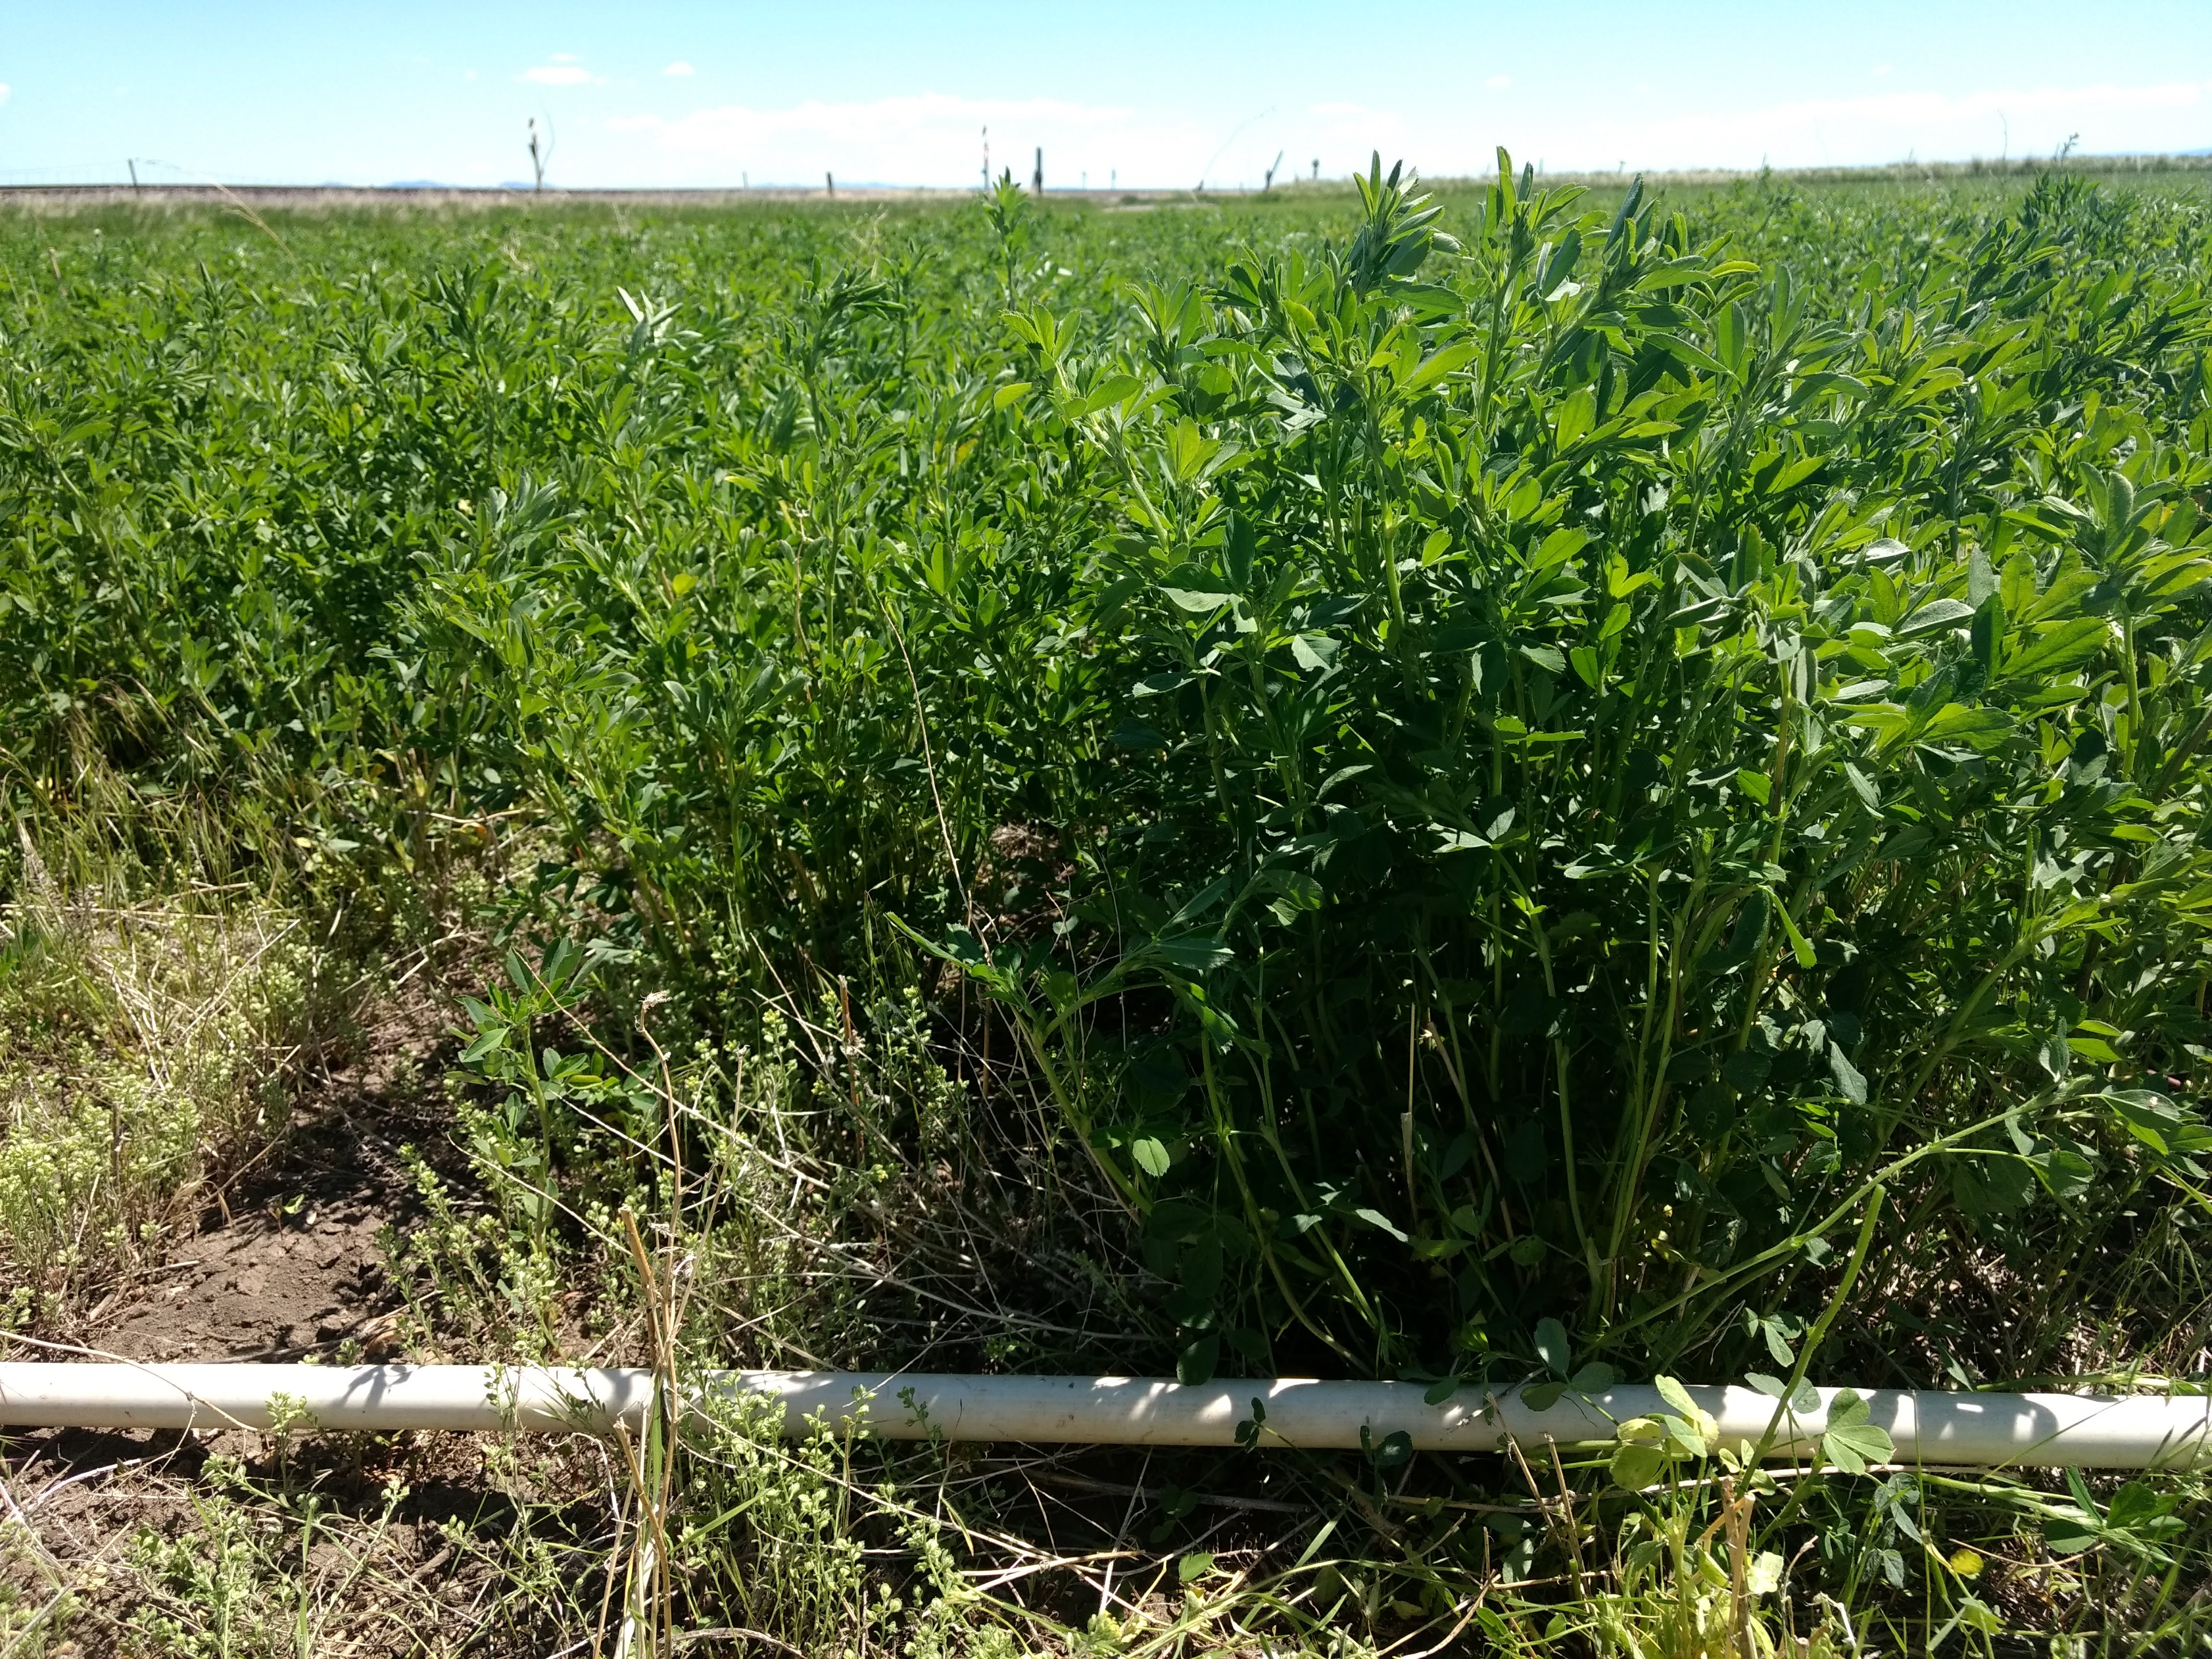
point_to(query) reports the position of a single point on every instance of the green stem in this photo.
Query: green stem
(1777, 1527)
(1820, 1331)
(1768, 1259)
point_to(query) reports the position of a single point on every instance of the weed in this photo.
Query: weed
(147, 1051)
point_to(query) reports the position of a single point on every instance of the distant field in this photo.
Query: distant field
(2139, 172)
(1567, 780)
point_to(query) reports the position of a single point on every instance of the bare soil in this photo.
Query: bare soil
(287, 1264)
(265, 1285)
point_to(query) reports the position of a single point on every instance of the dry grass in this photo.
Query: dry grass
(147, 1045)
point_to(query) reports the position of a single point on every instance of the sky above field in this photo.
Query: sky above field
(1137, 93)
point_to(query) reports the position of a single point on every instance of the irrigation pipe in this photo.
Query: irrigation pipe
(2131, 1431)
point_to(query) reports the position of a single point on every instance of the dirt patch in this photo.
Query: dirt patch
(253, 1291)
(288, 1262)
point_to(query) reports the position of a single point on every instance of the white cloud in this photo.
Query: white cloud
(1499, 83)
(679, 67)
(5, 90)
(556, 74)
(1872, 129)
(936, 139)
(468, 74)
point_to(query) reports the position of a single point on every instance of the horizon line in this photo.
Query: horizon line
(2125, 161)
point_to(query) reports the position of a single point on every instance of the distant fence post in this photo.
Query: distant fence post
(1037, 179)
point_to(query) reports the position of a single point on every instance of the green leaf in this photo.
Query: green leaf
(1796, 473)
(1114, 389)
(1552, 1346)
(1699, 1432)
(561, 963)
(1862, 787)
(486, 1043)
(1798, 947)
(1803, 1400)
(2060, 650)
(1937, 613)
(1190, 1569)
(1575, 418)
(1989, 632)
(2151, 1118)
(2071, 1534)
(1847, 1409)
(1151, 1157)
(2142, 1513)
(1692, 357)
(1885, 719)
(1558, 547)
(1852, 1449)
(1195, 1362)
(2064, 1174)
(2173, 574)
(1849, 1083)
(1196, 953)
(1852, 1442)
(1640, 1453)
(1957, 721)
(1382, 1222)
(1981, 580)
(1198, 601)
(1435, 368)
(1634, 1468)
(2016, 586)
(1676, 1396)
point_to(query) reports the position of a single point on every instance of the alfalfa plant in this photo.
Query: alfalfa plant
(1594, 783)
(1006, 210)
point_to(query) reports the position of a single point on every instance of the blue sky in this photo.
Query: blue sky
(1138, 93)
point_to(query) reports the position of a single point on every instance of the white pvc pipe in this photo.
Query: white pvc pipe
(1989, 1430)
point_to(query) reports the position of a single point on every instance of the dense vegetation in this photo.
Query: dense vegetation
(1501, 778)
